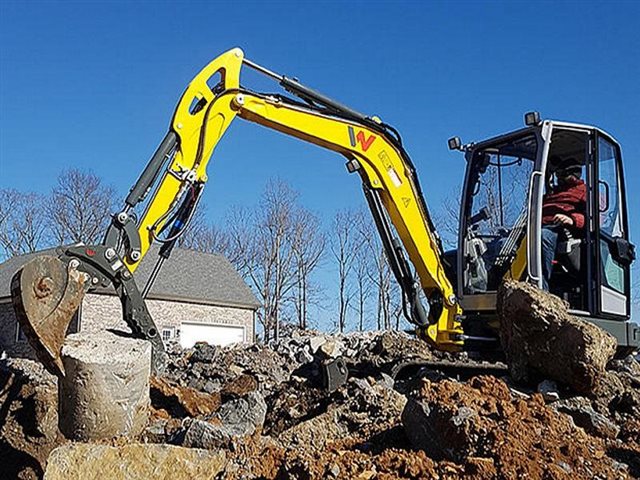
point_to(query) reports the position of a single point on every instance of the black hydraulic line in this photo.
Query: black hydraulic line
(180, 223)
(155, 166)
(500, 192)
(397, 262)
(153, 276)
(304, 92)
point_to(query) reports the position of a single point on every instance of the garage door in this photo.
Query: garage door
(190, 333)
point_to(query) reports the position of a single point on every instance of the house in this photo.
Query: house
(196, 297)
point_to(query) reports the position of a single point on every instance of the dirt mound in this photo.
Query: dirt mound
(518, 437)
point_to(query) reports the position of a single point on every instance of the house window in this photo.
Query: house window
(167, 334)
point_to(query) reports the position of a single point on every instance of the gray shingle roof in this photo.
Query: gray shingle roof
(187, 276)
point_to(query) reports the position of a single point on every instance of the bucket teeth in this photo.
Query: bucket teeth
(46, 293)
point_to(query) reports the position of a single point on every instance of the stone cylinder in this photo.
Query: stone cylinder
(105, 390)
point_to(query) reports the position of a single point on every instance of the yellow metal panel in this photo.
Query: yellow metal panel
(382, 168)
(518, 267)
(198, 134)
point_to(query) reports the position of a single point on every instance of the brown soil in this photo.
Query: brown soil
(178, 401)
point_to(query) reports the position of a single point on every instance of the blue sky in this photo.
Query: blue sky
(93, 84)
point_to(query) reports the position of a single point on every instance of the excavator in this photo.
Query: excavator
(450, 297)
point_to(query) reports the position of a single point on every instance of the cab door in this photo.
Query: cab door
(613, 252)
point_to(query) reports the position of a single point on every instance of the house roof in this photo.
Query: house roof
(187, 276)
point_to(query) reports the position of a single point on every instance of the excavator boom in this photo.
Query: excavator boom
(48, 290)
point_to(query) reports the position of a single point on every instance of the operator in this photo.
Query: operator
(563, 207)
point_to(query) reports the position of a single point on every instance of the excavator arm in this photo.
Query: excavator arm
(177, 174)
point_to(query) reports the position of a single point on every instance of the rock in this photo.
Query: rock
(237, 418)
(330, 349)
(304, 356)
(366, 409)
(203, 353)
(133, 462)
(315, 343)
(419, 420)
(549, 390)
(105, 391)
(239, 387)
(583, 415)
(244, 415)
(181, 401)
(386, 381)
(540, 338)
(202, 434)
(29, 418)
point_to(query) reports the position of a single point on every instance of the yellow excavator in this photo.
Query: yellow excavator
(449, 296)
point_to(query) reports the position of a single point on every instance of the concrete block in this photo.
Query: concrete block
(105, 392)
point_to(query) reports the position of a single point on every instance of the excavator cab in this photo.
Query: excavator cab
(501, 221)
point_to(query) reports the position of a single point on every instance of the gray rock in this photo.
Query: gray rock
(211, 386)
(236, 418)
(583, 415)
(105, 392)
(244, 415)
(304, 356)
(315, 343)
(204, 353)
(549, 390)
(386, 381)
(201, 434)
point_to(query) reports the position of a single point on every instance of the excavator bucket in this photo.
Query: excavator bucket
(46, 293)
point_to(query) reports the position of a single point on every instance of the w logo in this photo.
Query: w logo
(354, 139)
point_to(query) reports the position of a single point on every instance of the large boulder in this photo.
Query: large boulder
(541, 339)
(132, 462)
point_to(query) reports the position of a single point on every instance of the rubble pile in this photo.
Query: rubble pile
(256, 411)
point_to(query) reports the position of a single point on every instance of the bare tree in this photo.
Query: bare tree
(260, 245)
(344, 247)
(23, 222)
(446, 219)
(382, 281)
(203, 236)
(381, 278)
(362, 267)
(308, 247)
(80, 207)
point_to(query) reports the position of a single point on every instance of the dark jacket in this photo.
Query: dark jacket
(569, 199)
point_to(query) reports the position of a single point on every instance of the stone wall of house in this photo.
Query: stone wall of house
(13, 341)
(9, 334)
(104, 311)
